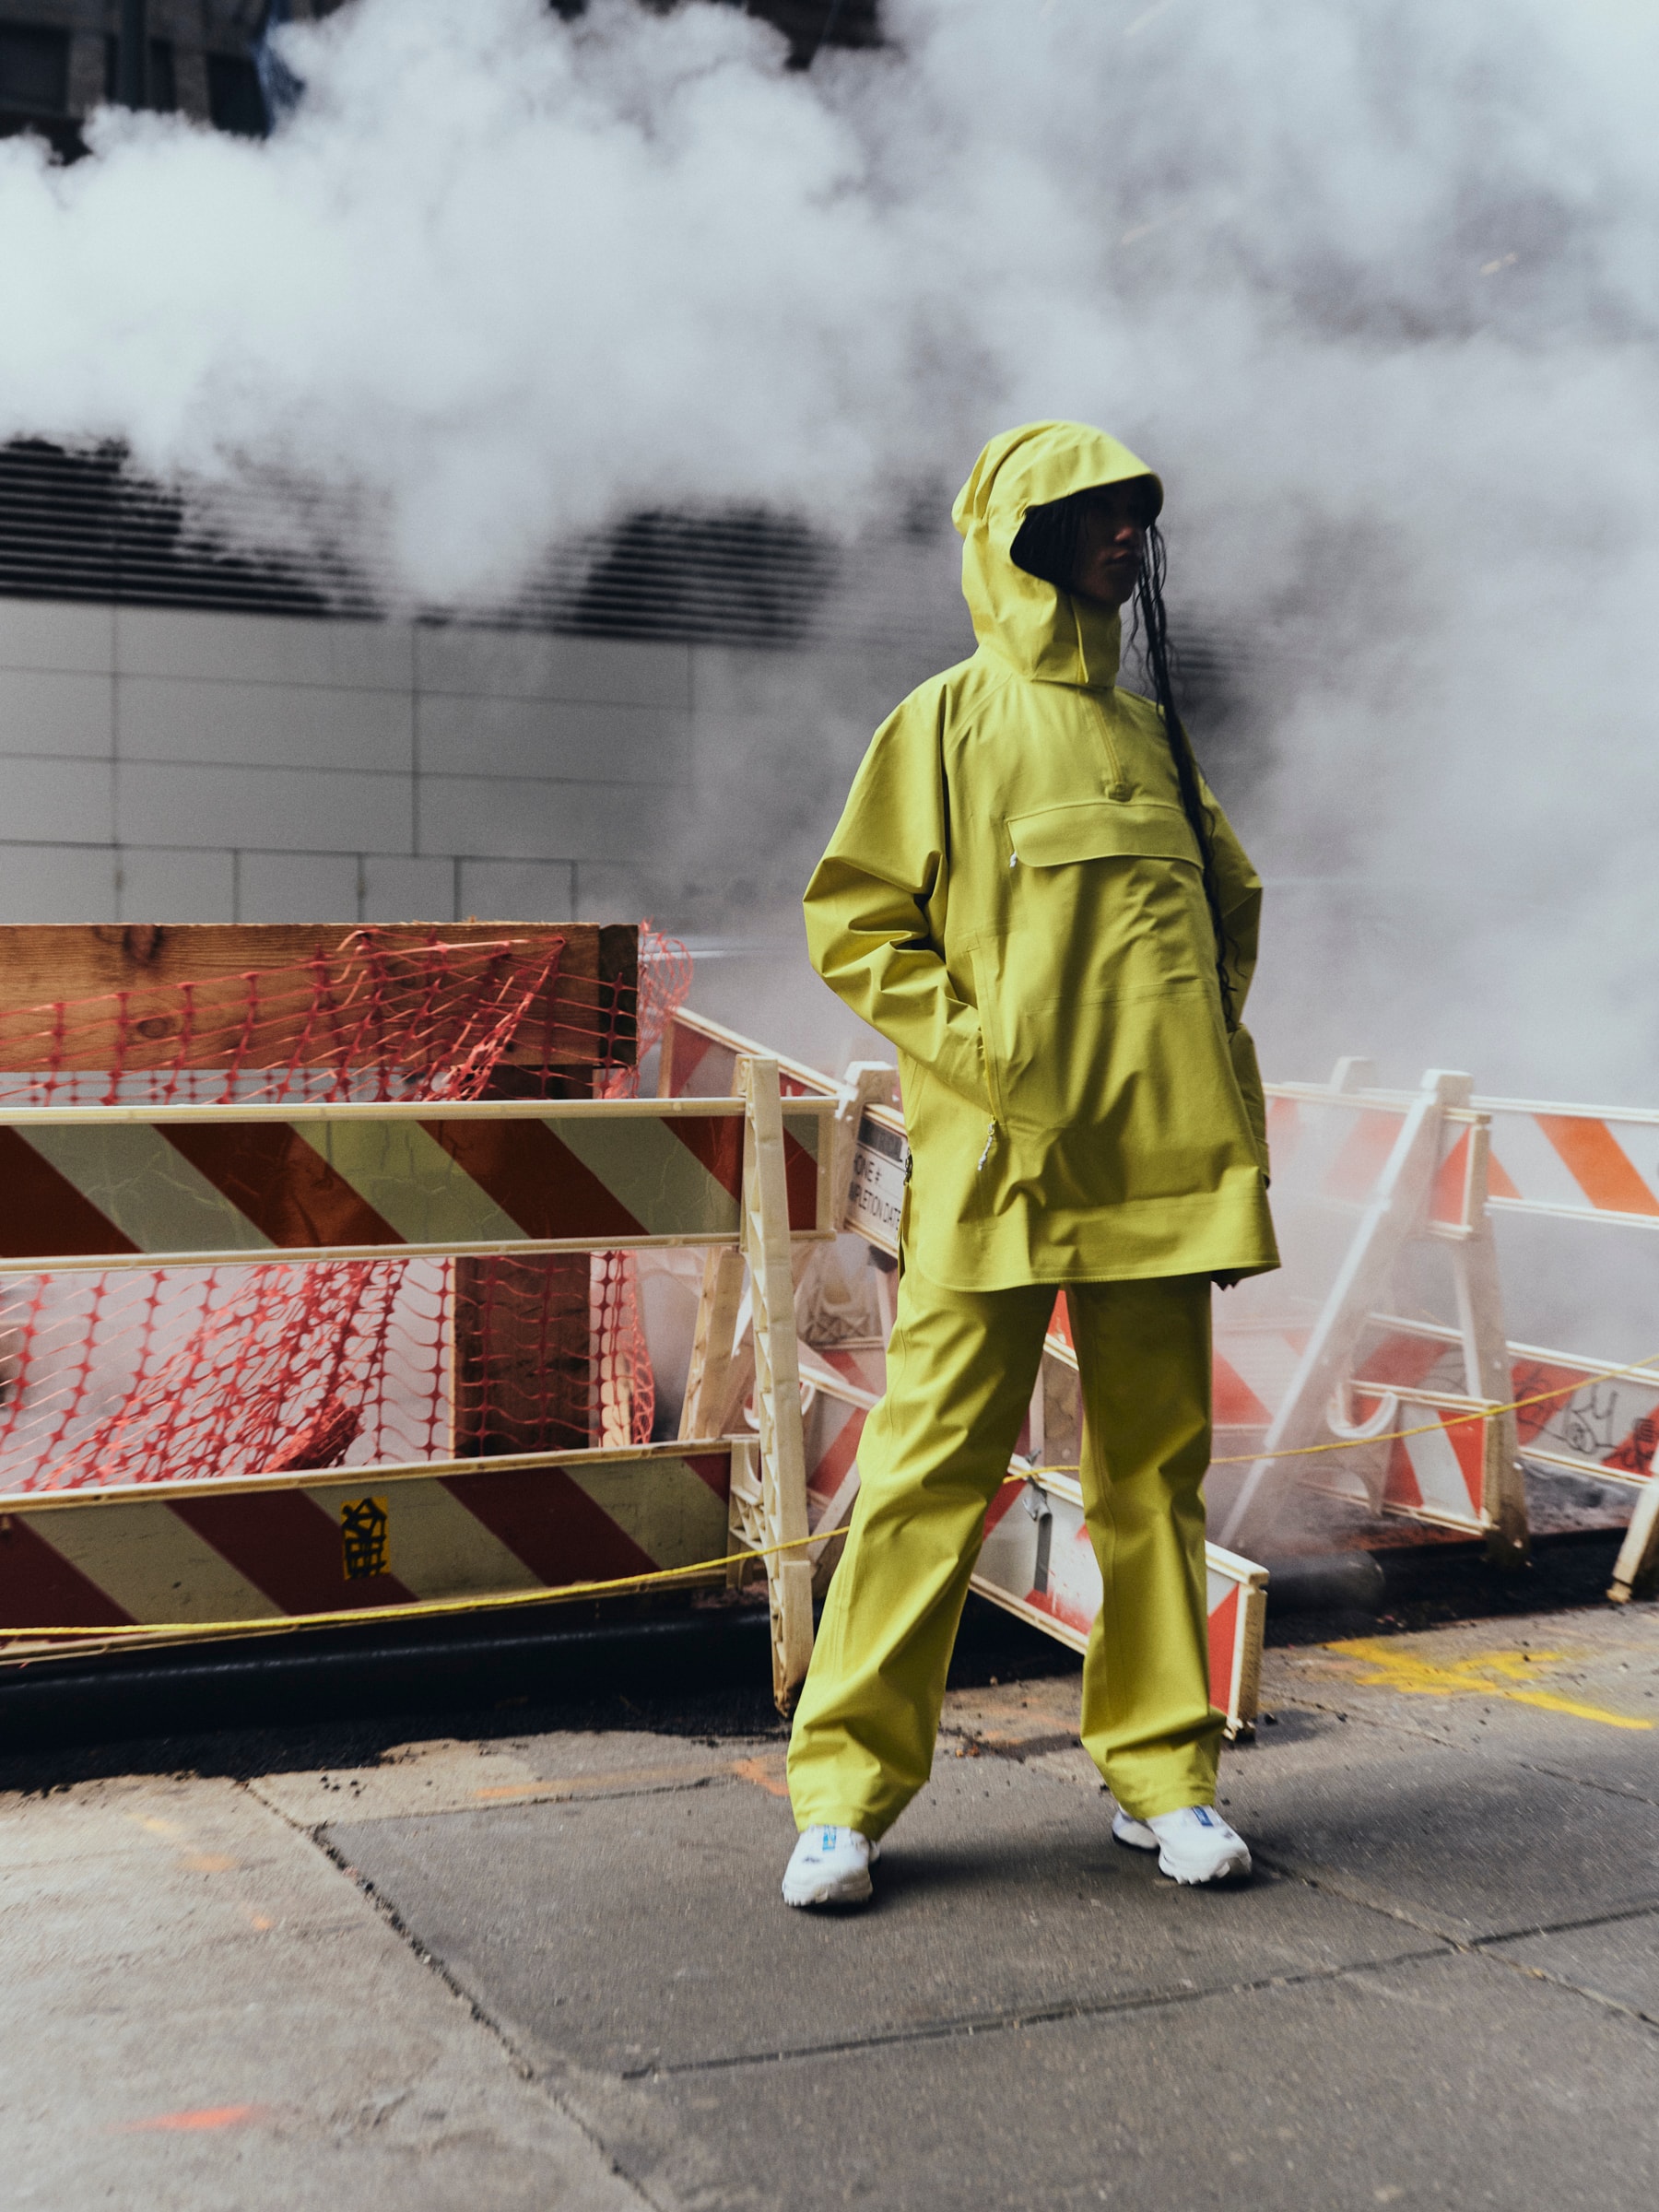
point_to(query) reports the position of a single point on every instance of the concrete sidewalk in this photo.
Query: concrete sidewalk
(552, 1969)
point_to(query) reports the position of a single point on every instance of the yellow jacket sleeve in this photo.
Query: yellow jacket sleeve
(873, 897)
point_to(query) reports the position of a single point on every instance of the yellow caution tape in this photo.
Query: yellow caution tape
(625, 1585)
(418, 1609)
(1457, 1420)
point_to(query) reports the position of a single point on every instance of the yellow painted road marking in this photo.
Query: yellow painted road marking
(195, 1862)
(1488, 1674)
(766, 1772)
(207, 2116)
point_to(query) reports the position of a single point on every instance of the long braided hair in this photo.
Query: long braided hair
(1046, 546)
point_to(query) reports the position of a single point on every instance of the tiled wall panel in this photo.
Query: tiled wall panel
(523, 890)
(261, 809)
(161, 765)
(59, 712)
(397, 888)
(523, 665)
(521, 820)
(176, 887)
(570, 741)
(67, 801)
(266, 726)
(298, 887)
(56, 882)
(50, 633)
(263, 648)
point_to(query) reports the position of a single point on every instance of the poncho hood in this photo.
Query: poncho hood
(1045, 634)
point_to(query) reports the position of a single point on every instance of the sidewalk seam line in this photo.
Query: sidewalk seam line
(523, 2067)
(1486, 1948)
(1042, 2015)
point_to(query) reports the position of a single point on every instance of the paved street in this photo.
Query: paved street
(549, 1968)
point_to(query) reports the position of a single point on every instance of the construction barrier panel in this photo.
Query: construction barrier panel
(275, 1548)
(1362, 1186)
(1044, 1573)
(1330, 1377)
(1586, 1165)
(109, 1186)
(366, 1194)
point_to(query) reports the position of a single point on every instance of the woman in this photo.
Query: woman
(1033, 895)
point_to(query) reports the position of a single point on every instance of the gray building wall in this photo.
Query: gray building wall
(159, 765)
(165, 765)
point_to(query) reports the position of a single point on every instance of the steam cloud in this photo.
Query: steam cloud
(1374, 286)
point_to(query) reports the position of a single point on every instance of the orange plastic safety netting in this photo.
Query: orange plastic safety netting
(180, 1373)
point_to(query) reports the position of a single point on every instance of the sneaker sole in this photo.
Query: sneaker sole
(1230, 1869)
(851, 1889)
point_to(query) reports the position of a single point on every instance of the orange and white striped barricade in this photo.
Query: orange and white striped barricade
(1606, 1429)
(1593, 1419)
(843, 1383)
(266, 1550)
(1034, 1564)
(701, 1058)
(1585, 1164)
(112, 1187)
(1574, 1162)
(1037, 1562)
(1314, 1380)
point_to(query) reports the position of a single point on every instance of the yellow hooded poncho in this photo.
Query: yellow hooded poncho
(1014, 897)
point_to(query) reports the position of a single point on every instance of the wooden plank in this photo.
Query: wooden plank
(590, 1020)
(766, 1246)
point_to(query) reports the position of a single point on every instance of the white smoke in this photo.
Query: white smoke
(1374, 286)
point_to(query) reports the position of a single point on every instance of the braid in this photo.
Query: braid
(1046, 546)
(1155, 644)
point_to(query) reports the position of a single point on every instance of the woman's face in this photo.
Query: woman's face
(1111, 538)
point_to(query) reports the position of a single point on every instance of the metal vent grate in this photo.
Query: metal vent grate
(82, 526)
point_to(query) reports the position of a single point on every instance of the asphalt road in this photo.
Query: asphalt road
(534, 1957)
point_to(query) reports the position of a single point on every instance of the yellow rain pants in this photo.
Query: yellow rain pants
(962, 1368)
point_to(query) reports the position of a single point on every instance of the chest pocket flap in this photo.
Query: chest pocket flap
(1055, 837)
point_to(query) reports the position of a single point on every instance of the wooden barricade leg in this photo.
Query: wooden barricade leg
(766, 1246)
(1486, 1366)
(1638, 1562)
(707, 1409)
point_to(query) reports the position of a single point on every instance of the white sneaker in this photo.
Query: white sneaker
(829, 1867)
(1193, 1845)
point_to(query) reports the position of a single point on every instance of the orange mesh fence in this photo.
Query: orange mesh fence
(180, 1373)
(367, 1018)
